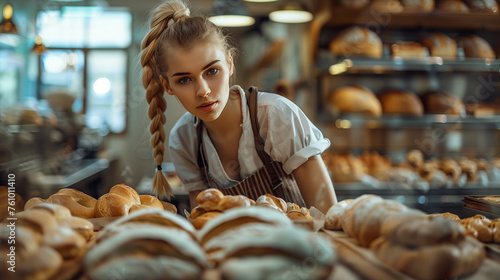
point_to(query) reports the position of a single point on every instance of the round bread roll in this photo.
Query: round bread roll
(202, 219)
(488, 6)
(441, 45)
(388, 6)
(357, 41)
(364, 216)
(147, 252)
(418, 5)
(269, 254)
(272, 201)
(209, 199)
(117, 202)
(452, 6)
(401, 102)
(355, 99)
(236, 217)
(440, 102)
(475, 46)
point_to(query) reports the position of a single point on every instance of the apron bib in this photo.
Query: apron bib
(269, 179)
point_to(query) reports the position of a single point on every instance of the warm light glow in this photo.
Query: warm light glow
(291, 16)
(7, 11)
(102, 86)
(232, 20)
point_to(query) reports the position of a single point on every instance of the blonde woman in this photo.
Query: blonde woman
(213, 145)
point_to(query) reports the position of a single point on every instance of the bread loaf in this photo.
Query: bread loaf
(410, 50)
(333, 217)
(441, 45)
(475, 46)
(451, 168)
(427, 247)
(344, 168)
(415, 159)
(440, 102)
(79, 203)
(364, 216)
(487, 6)
(147, 252)
(418, 5)
(357, 41)
(354, 99)
(452, 6)
(388, 6)
(401, 102)
(270, 253)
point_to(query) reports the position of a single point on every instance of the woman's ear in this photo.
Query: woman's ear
(231, 65)
(166, 85)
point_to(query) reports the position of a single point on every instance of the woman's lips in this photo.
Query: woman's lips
(207, 107)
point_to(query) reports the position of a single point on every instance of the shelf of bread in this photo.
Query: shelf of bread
(336, 65)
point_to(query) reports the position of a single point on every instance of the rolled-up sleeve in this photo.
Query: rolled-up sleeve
(289, 136)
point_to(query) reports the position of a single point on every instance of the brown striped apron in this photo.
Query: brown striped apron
(268, 179)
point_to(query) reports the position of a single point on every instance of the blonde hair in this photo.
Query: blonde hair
(171, 27)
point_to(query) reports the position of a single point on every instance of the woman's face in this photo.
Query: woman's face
(199, 78)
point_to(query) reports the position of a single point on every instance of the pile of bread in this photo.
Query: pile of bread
(46, 236)
(427, 6)
(358, 99)
(423, 246)
(478, 226)
(119, 201)
(212, 203)
(441, 172)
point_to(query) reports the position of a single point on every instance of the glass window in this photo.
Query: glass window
(85, 27)
(106, 86)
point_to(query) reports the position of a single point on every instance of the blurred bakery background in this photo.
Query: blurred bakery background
(407, 91)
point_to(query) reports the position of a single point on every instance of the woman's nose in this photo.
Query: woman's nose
(203, 88)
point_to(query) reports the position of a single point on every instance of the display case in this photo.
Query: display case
(471, 134)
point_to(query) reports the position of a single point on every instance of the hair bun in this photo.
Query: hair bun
(184, 12)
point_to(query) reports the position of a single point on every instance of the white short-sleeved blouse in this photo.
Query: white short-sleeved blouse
(289, 137)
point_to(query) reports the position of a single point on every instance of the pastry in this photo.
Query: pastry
(79, 203)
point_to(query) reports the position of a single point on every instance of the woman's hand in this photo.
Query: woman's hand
(315, 184)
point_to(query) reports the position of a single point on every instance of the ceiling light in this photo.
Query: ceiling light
(230, 13)
(7, 25)
(291, 13)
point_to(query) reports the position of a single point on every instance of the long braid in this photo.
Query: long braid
(156, 100)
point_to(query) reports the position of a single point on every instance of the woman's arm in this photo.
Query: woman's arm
(315, 184)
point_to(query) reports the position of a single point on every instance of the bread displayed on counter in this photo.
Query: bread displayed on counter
(441, 102)
(408, 50)
(271, 252)
(427, 247)
(452, 7)
(354, 99)
(357, 41)
(119, 201)
(146, 252)
(333, 217)
(451, 168)
(487, 6)
(418, 5)
(440, 45)
(475, 46)
(401, 102)
(388, 6)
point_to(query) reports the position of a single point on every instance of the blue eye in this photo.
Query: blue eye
(183, 80)
(213, 71)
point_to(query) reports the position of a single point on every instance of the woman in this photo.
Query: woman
(213, 144)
